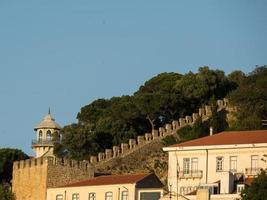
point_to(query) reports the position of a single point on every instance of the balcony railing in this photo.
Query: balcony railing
(253, 171)
(190, 174)
(42, 142)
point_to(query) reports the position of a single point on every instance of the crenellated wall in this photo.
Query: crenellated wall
(32, 177)
(126, 148)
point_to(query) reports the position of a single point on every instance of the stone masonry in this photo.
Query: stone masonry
(32, 177)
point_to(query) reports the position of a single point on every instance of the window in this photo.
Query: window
(59, 197)
(40, 136)
(194, 164)
(254, 162)
(124, 195)
(219, 164)
(48, 136)
(92, 196)
(108, 196)
(233, 163)
(186, 165)
(75, 196)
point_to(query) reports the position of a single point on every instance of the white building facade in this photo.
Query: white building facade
(111, 187)
(222, 162)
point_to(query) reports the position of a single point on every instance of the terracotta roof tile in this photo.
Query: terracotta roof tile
(228, 138)
(248, 181)
(110, 180)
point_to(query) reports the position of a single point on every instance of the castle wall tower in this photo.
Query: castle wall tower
(45, 130)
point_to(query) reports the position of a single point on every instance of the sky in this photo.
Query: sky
(65, 54)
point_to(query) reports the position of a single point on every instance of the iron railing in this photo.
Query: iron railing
(190, 174)
(42, 142)
(253, 171)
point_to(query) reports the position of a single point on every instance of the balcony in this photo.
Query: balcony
(190, 174)
(253, 171)
(36, 143)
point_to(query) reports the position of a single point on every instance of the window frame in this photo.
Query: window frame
(108, 197)
(59, 195)
(186, 165)
(92, 197)
(254, 162)
(48, 133)
(233, 164)
(123, 195)
(219, 163)
(40, 136)
(194, 164)
(75, 196)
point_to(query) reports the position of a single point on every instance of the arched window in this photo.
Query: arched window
(108, 196)
(75, 196)
(48, 136)
(59, 197)
(40, 136)
(92, 196)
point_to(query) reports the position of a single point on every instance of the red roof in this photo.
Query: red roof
(248, 181)
(228, 137)
(110, 180)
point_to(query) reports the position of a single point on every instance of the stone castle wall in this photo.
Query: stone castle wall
(32, 177)
(133, 145)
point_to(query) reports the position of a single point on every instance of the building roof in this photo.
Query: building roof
(228, 138)
(48, 122)
(110, 180)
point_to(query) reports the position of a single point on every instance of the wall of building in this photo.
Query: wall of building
(32, 177)
(29, 179)
(100, 190)
(85, 190)
(226, 178)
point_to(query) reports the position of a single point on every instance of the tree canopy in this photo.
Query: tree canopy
(258, 188)
(251, 99)
(6, 193)
(165, 97)
(7, 157)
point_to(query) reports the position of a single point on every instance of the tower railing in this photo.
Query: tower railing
(42, 142)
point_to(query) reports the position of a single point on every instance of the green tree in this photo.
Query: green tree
(7, 157)
(198, 129)
(258, 188)
(251, 100)
(160, 100)
(6, 193)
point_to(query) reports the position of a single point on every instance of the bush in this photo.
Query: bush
(6, 193)
(169, 140)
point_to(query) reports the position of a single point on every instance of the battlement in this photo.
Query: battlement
(124, 149)
(32, 177)
(51, 161)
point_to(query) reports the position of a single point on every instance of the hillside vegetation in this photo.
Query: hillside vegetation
(165, 97)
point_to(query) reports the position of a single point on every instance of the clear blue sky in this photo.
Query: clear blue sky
(65, 54)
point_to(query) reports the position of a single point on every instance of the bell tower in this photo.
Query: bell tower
(43, 144)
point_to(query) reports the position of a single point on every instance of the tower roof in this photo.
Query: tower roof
(48, 122)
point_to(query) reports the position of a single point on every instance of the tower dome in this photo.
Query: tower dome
(48, 122)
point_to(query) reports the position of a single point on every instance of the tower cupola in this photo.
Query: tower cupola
(43, 144)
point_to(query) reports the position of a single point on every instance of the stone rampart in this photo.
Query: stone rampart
(32, 177)
(125, 149)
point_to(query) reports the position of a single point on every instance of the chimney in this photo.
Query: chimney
(211, 131)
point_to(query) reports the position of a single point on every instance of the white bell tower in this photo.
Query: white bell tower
(43, 144)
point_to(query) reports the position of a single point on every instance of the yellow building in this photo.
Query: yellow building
(43, 144)
(111, 187)
(223, 163)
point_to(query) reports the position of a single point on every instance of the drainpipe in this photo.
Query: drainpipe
(207, 165)
(119, 193)
(65, 194)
